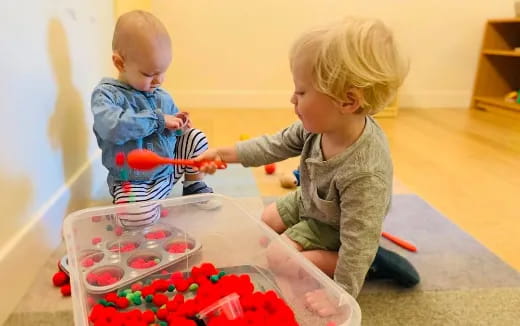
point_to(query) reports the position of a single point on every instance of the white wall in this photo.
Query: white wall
(52, 53)
(234, 53)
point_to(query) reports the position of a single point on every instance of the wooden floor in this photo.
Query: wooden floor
(464, 163)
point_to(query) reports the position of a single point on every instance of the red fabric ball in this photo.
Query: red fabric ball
(208, 269)
(120, 159)
(162, 314)
(181, 285)
(147, 290)
(270, 168)
(122, 303)
(160, 285)
(60, 279)
(111, 297)
(159, 299)
(65, 290)
(148, 316)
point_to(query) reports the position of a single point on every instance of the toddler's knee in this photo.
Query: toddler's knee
(265, 217)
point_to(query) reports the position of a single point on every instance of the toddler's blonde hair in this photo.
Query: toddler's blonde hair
(354, 52)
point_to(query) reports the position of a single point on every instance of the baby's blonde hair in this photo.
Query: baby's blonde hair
(353, 53)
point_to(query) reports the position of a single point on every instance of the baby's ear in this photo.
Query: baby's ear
(354, 98)
(118, 62)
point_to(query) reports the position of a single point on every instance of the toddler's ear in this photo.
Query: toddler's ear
(353, 101)
(118, 61)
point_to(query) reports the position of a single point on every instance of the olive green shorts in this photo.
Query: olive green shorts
(310, 233)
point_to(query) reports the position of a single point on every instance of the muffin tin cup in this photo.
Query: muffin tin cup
(91, 257)
(116, 266)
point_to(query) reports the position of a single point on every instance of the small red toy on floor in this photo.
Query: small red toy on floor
(61, 279)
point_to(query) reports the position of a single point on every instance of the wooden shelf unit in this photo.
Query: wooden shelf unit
(498, 71)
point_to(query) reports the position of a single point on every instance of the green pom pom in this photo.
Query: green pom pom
(171, 288)
(163, 323)
(124, 174)
(130, 297)
(137, 300)
(221, 274)
(157, 260)
(103, 302)
(214, 278)
(137, 293)
(110, 304)
(154, 309)
(194, 287)
(149, 298)
(109, 227)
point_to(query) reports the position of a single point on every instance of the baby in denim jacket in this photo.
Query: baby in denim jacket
(133, 112)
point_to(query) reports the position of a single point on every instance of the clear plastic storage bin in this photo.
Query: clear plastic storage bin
(104, 257)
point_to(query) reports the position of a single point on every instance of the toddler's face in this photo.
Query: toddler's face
(318, 112)
(145, 71)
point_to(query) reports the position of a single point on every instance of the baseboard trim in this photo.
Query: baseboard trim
(435, 99)
(26, 252)
(269, 99)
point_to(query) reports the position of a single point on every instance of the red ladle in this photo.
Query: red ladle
(143, 159)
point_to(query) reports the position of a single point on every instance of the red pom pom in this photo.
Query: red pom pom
(162, 314)
(65, 290)
(111, 297)
(178, 299)
(122, 302)
(60, 279)
(147, 290)
(148, 316)
(96, 219)
(120, 159)
(270, 168)
(118, 230)
(96, 312)
(136, 287)
(159, 299)
(176, 276)
(161, 285)
(208, 269)
(181, 285)
(87, 262)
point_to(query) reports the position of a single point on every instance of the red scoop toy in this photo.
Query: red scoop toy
(400, 242)
(143, 159)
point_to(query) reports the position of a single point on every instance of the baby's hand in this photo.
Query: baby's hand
(172, 122)
(185, 117)
(209, 155)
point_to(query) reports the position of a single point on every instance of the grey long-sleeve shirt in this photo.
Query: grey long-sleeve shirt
(351, 191)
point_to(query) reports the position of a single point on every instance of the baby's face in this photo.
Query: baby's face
(145, 71)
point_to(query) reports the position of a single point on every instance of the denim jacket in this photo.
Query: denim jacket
(126, 119)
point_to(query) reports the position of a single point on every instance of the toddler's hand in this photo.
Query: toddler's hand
(209, 155)
(172, 122)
